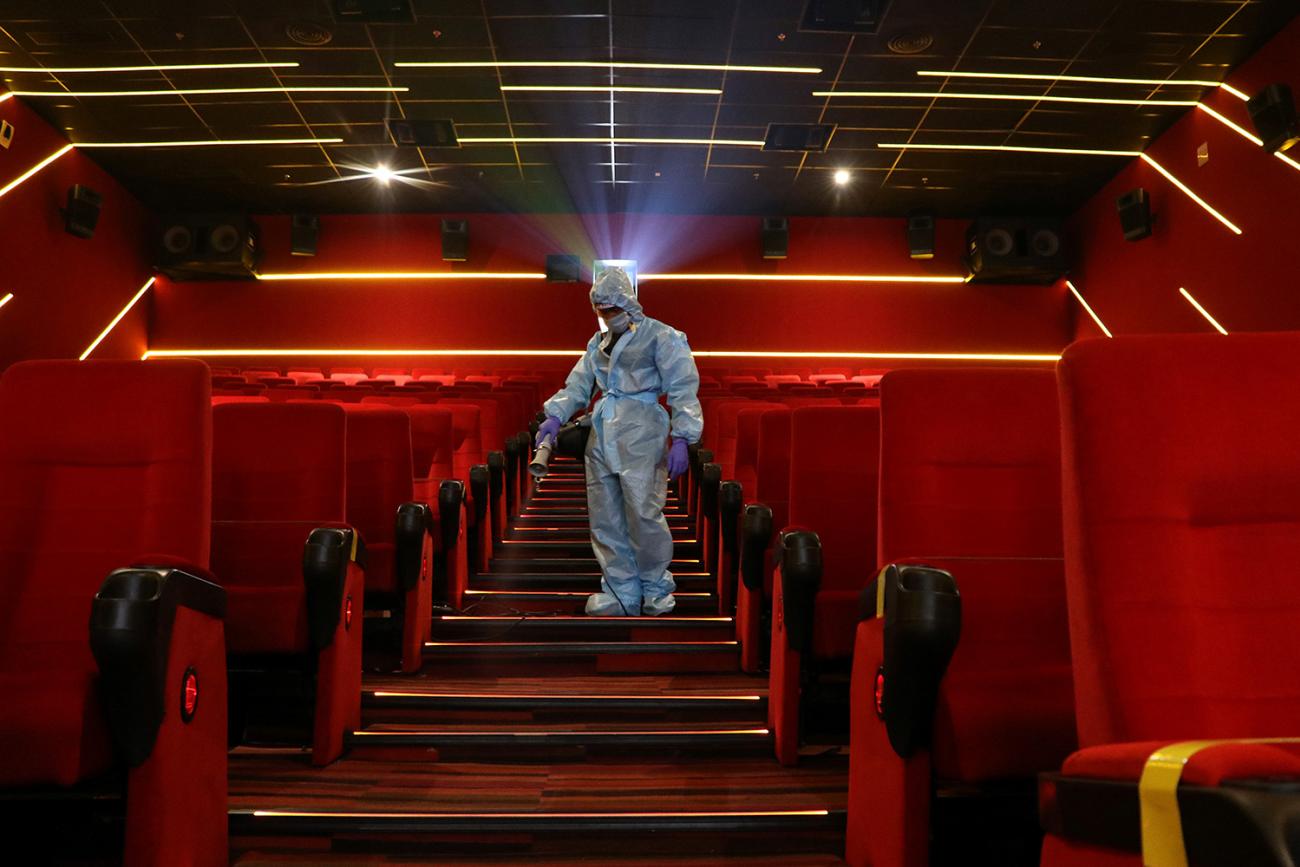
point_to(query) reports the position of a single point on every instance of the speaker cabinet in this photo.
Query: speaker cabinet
(562, 268)
(1016, 250)
(82, 212)
(920, 236)
(1272, 113)
(304, 232)
(1134, 214)
(455, 240)
(776, 237)
(209, 247)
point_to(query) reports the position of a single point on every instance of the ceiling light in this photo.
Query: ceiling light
(117, 319)
(1097, 152)
(148, 68)
(566, 88)
(810, 278)
(202, 91)
(381, 173)
(1191, 195)
(1086, 306)
(587, 64)
(1022, 97)
(606, 140)
(1217, 327)
(841, 177)
(200, 143)
(34, 169)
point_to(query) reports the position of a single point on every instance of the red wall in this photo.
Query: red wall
(1249, 282)
(66, 289)
(537, 315)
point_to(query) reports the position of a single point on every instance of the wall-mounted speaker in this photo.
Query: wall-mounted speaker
(1134, 214)
(455, 240)
(776, 237)
(563, 268)
(304, 232)
(1016, 250)
(209, 247)
(81, 214)
(1272, 113)
(920, 236)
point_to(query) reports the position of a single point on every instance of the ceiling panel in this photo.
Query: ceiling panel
(1145, 38)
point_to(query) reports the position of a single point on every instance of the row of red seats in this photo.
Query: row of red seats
(991, 646)
(241, 541)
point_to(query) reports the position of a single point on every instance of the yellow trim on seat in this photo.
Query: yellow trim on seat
(1162, 824)
(880, 593)
(355, 537)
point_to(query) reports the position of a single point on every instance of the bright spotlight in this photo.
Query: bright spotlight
(382, 173)
(841, 177)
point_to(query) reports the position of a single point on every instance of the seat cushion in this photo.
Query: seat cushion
(1209, 767)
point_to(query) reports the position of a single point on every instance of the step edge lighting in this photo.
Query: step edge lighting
(812, 278)
(565, 696)
(571, 353)
(734, 814)
(400, 275)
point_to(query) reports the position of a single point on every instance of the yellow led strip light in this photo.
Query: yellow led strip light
(201, 91)
(148, 68)
(811, 278)
(573, 353)
(1086, 306)
(616, 140)
(1246, 134)
(402, 275)
(567, 88)
(1088, 79)
(1021, 97)
(1199, 309)
(589, 64)
(1209, 209)
(34, 169)
(204, 143)
(5, 300)
(117, 319)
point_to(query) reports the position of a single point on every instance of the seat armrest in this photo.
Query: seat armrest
(801, 577)
(921, 609)
(131, 621)
(325, 560)
(414, 522)
(730, 501)
(478, 491)
(710, 481)
(756, 538)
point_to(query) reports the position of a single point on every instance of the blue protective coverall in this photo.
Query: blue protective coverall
(627, 478)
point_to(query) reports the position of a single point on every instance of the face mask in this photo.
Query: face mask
(618, 324)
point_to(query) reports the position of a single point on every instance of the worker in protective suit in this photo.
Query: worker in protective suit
(628, 460)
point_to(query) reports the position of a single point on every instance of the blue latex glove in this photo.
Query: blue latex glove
(549, 429)
(678, 460)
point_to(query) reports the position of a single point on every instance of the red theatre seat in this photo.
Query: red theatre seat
(104, 465)
(279, 475)
(970, 504)
(433, 449)
(768, 507)
(1181, 500)
(828, 553)
(397, 529)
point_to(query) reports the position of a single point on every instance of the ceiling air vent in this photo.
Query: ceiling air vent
(798, 136)
(437, 133)
(374, 11)
(308, 33)
(844, 16)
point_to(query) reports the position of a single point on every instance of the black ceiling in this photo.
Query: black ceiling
(1160, 39)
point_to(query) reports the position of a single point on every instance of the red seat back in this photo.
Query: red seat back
(970, 482)
(278, 471)
(1182, 497)
(379, 479)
